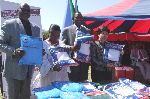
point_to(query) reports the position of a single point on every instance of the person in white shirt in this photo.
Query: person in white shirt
(50, 73)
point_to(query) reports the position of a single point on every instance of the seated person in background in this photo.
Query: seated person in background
(141, 59)
(56, 73)
(99, 72)
(125, 59)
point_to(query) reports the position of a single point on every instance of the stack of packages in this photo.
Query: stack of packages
(65, 90)
(127, 89)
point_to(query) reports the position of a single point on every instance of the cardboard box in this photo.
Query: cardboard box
(129, 72)
(123, 72)
(119, 73)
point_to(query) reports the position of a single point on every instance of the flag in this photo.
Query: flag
(76, 6)
(69, 14)
(72, 9)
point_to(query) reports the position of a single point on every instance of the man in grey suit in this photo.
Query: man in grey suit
(18, 77)
(78, 73)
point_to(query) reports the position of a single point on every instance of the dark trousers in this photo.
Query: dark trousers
(100, 76)
(79, 73)
(18, 89)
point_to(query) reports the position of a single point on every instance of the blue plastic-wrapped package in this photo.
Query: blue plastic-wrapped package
(61, 57)
(83, 40)
(53, 93)
(33, 50)
(83, 37)
(67, 86)
(47, 92)
(113, 51)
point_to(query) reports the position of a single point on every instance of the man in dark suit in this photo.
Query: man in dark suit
(18, 77)
(78, 73)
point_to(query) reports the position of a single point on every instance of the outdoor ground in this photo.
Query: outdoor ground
(89, 74)
(1, 96)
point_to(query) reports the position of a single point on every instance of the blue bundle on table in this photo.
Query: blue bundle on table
(126, 89)
(63, 90)
(47, 92)
(67, 86)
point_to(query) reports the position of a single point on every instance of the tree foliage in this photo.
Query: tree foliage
(45, 35)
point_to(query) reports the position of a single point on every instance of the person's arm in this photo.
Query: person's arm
(70, 48)
(85, 29)
(5, 39)
(64, 36)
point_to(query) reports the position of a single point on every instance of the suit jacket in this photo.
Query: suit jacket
(9, 41)
(96, 54)
(69, 34)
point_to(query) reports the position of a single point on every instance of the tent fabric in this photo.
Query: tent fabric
(116, 26)
(127, 16)
(125, 8)
(128, 37)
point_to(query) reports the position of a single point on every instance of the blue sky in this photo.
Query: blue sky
(53, 11)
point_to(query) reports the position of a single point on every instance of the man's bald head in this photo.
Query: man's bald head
(78, 19)
(24, 11)
(24, 4)
(78, 14)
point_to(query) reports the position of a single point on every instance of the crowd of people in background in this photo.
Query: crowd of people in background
(19, 77)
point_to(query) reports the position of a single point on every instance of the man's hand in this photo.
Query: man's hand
(76, 47)
(19, 52)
